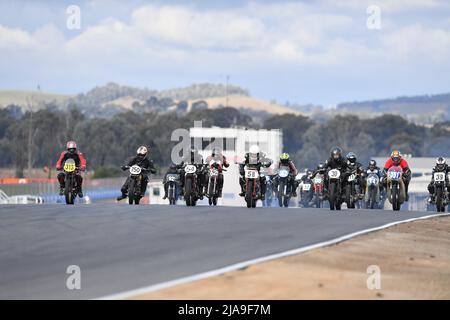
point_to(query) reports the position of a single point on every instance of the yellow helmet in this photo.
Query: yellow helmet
(284, 157)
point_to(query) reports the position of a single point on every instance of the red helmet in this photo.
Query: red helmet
(396, 157)
(71, 146)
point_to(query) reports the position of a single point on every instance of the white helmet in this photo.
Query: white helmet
(254, 149)
(142, 150)
(440, 163)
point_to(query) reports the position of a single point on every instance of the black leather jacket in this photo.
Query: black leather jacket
(260, 161)
(142, 162)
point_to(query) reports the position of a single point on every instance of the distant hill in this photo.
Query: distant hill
(112, 98)
(246, 102)
(415, 107)
(25, 98)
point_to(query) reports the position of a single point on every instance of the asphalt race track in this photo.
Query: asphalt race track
(121, 247)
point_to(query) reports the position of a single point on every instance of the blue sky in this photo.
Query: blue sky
(317, 52)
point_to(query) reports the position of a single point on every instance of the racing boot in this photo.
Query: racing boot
(242, 190)
(165, 191)
(121, 197)
(61, 190)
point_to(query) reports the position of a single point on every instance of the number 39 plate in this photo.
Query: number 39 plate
(439, 176)
(334, 174)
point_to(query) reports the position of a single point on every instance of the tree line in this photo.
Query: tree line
(35, 139)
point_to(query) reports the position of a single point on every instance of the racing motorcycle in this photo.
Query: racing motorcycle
(351, 189)
(306, 193)
(440, 191)
(136, 178)
(173, 189)
(284, 187)
(395, 187)
(70, 185)
(372, 194)
(269, 188)
(213, 182)
(191, 187)
(334, 189)
(318, 195)
(252, 186)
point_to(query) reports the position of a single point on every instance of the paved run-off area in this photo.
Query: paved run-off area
(120, 247)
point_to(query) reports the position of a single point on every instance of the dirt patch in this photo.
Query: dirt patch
(414, 260)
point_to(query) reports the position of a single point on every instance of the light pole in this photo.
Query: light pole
(226, 90)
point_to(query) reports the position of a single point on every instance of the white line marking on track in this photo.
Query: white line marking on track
(244, 264)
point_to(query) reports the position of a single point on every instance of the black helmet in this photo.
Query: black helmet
(440, 163)
(321, 167)
(351, 157)
(173, 166)
(372, 164)
(336, 153)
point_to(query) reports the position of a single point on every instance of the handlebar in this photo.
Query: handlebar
(128, 167)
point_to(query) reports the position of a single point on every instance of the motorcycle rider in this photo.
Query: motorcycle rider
(306, 178)
(141, 160)
(354, 165)
(441, 166)
(195, 158)
(216, 155)
(80, 163)
(254, 159)
(397, 160)
(173, 169)
(321, 169)
(336, 161)
(285, 161)
(372, 168)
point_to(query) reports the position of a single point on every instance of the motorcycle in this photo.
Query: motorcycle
(173, 189)
(440, 191)
(372, 195)
(191, 188)
(351, 190)
(252, 187)
(395, 187)
(70, 185)
(284, 187)
(136, 179)
(334, 189)
(306, 193)
(269, 189)
(213, 180)
(318, 195)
